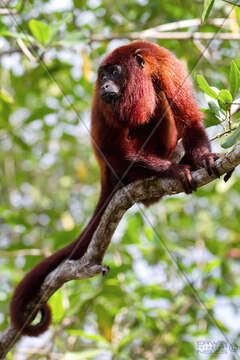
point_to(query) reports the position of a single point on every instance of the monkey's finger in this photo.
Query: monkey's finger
(207, 167)
(190, 183)
(185, 183)
(216, 156)
(194, 185)
(228, 175)
(187, 187)
(215, 171)
(214, 168)
(105, 270)
(210, 165)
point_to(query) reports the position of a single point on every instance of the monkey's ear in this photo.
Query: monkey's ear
(139, 59)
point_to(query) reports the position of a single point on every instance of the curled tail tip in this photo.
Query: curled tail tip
(32, 330)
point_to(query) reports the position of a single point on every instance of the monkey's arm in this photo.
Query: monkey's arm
(198, 149)
(166, 125)
(144, 164)
(188, 117)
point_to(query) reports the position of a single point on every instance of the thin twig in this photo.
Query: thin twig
(229, 113)
(190, 23)
(40, 352)
(235, 106)
(8, 11)
(168, 36)
(26, 252)
(221, 134)
(231, 3)
(233, 110)
(26, 51)
(205, 52)
(9, 52)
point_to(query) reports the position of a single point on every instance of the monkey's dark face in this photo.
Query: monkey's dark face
(113, 77)
(125, 84)
(110, 83)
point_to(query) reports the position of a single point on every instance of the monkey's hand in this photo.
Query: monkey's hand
(208, 162)
(182, 173)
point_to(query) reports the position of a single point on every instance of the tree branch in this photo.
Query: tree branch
(164, 31)
(8, 11)
(171, 35)
(220, 22)
(91, 263)
(234, 3)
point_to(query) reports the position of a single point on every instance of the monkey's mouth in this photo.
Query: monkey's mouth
(109, 97)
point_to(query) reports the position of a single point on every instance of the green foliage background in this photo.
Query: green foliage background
(174, 278)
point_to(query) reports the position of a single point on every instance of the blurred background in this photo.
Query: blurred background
(173, 291)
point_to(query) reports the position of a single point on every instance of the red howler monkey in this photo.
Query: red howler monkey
(143, 103)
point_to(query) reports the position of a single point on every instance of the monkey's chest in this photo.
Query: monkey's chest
(149, 139)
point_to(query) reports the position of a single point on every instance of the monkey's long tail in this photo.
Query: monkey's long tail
(31, 283)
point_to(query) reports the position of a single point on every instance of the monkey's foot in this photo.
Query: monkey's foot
(183, 174)
(208, 162)
(105, 270)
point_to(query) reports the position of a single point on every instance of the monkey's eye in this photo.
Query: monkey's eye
(140, 60)
(103, 77)
(116, 70)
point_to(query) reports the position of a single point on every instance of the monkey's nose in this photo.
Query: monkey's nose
(109, 91)
(110, 87)
(106, 86)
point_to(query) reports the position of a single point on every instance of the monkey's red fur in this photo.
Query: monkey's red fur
(132, 139)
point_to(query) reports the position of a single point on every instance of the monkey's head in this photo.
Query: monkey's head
(125, 83)
(110, 78)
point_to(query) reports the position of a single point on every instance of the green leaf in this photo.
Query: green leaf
(130, 337)
(205, 87)
(207, 7)
(132, 231)
(6, 97)
(232, 139)
(214, 108)
(40, 30)
(72, 39)
(210, 119)
(56, 26)
(225, 99)
(234, 79)
(20, 142)
(105, 320)
(56, 303)
(79, 3)
(94, 337)
(21, 36)
(211, 265)
(149, 233)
